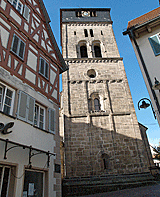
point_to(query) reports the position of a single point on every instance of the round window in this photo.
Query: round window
(91, 73)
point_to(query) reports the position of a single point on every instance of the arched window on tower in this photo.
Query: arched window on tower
(81, 48)
(83, 51)
(96, 49)
(95, 103)
(97, 106)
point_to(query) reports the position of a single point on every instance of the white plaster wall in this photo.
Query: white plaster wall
(152, 63)
(25, 133)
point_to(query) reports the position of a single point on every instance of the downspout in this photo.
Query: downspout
(145, 69)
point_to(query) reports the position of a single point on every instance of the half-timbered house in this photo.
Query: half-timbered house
(30, 64)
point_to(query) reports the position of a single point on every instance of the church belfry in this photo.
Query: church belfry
(100, 128)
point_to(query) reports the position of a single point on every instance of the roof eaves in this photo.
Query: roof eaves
(46, 16)
(137, 26)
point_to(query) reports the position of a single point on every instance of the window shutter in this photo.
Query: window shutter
(154, 41)
(22, 106)
(26, 13)
(31, 108)
(51, 120)
(15, 44)
(21, 49)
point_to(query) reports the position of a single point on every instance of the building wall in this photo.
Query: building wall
(106, 141)
(151, 62)
(29, 64)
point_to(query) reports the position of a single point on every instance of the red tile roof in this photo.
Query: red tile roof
(144, 18)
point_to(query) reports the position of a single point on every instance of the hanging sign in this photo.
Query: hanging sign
(4, 128)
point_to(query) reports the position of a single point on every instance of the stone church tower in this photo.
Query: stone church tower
(98, 120)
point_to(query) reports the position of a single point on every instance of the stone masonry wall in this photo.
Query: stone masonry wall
(101, 142)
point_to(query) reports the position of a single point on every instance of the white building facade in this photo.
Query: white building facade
(144, 33)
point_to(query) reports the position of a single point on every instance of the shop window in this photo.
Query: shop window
(4, 180)
(39, 116)
(155, 43)
(43, 68)
(7, 180)
(18, 46)
(33, 183)
(6, 99)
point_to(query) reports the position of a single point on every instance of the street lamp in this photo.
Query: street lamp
(144, 105)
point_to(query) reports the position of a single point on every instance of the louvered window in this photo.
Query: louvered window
(52, 120)
(26, 106)
(43, 68)
(6, 99)
(18, 46)
(155, 43)
(39, 116)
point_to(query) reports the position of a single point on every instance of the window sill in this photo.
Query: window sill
(17, 56)
(43, 76)
(42, 129)
(7, 115)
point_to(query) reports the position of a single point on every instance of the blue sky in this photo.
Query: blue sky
(121, 12)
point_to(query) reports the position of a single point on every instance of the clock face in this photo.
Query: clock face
(85, 13)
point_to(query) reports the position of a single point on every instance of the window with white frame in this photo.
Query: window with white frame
(18, 46)
(34, 113)
(6, 99)
(39, 116)
(17, 4)
(155, 43)
(4, 180)
(43, 67)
